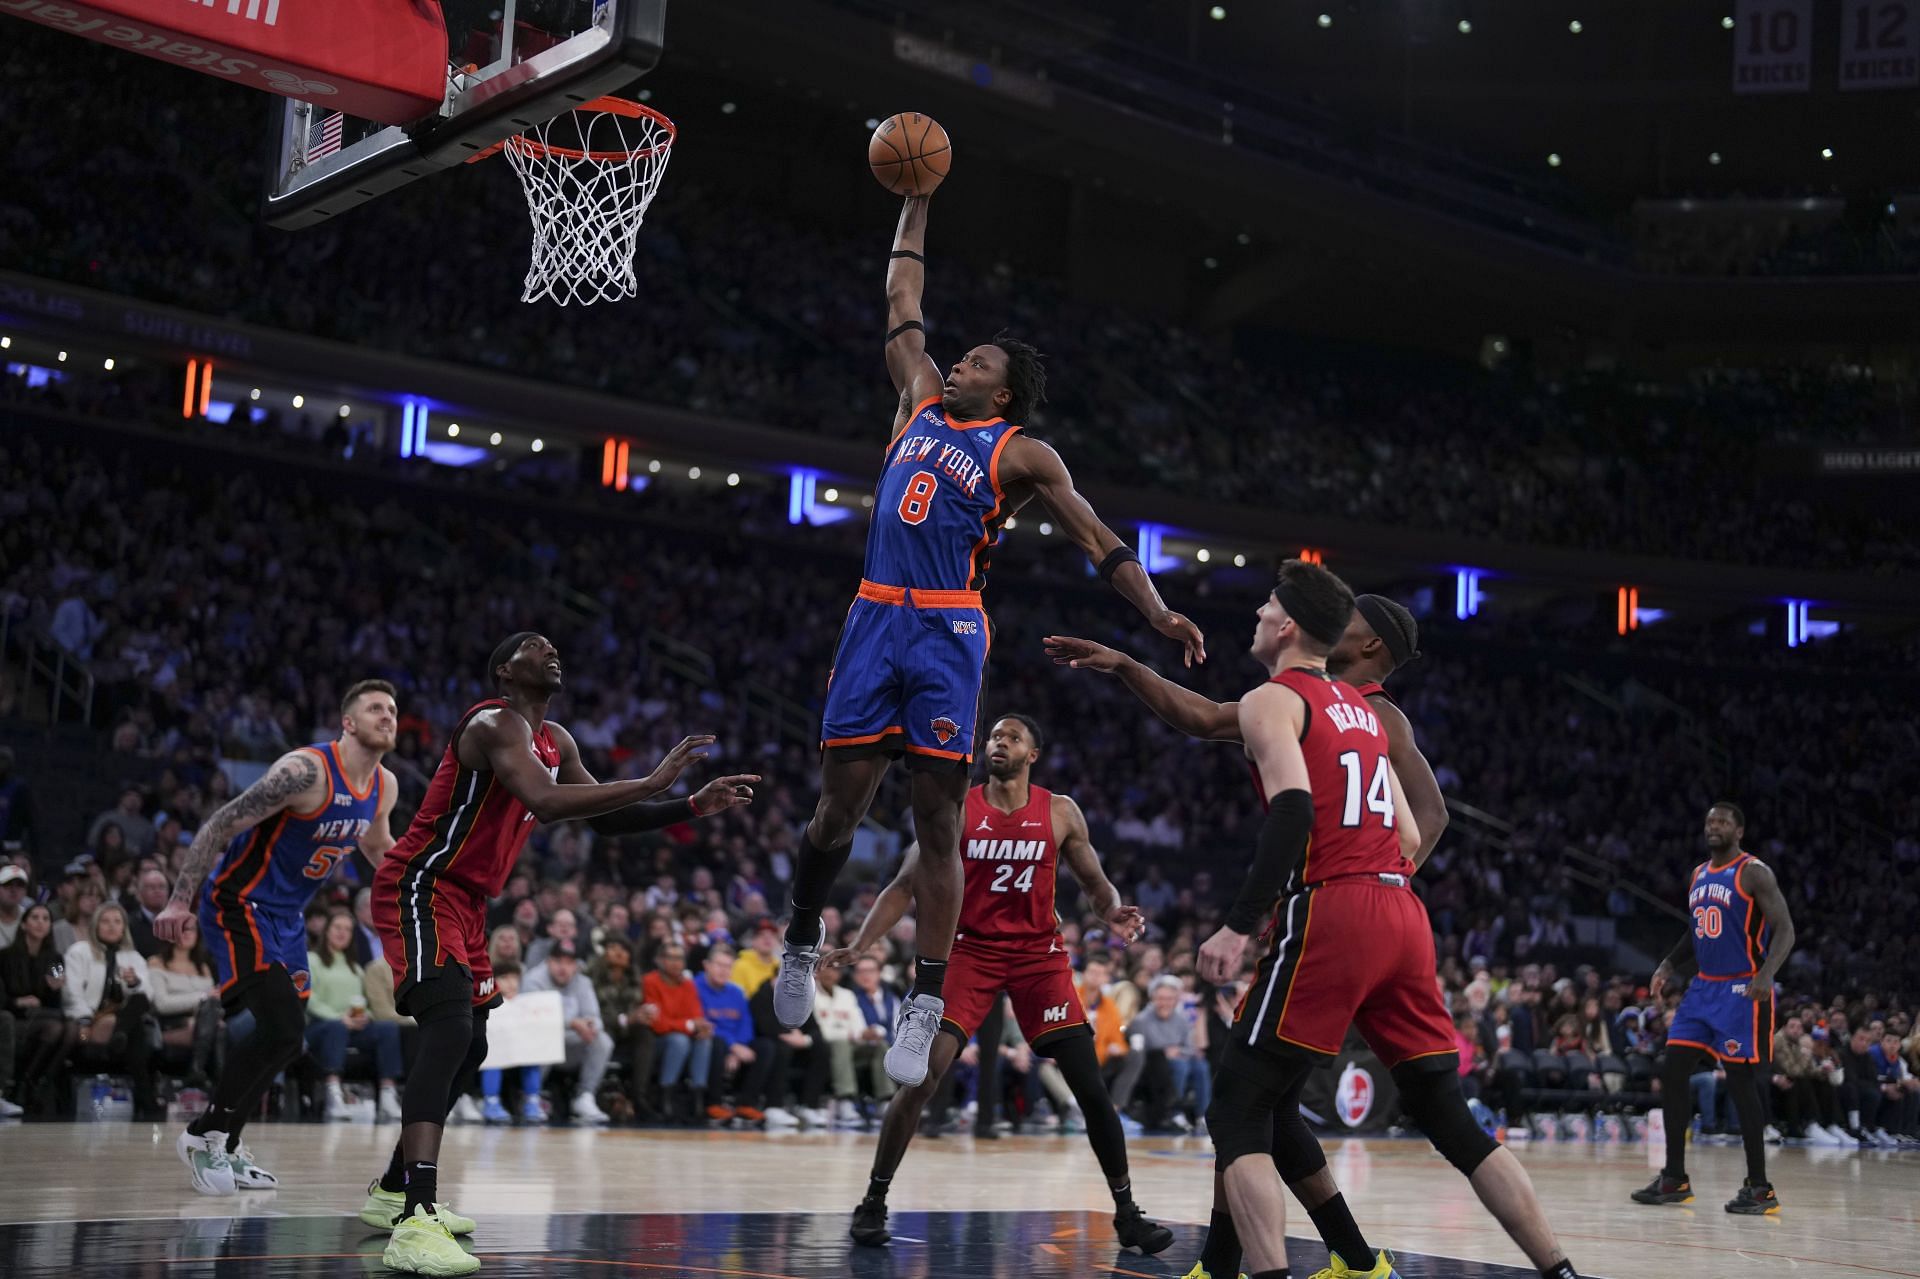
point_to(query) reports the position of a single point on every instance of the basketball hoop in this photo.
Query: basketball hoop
(587, 200)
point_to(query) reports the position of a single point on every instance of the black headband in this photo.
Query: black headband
(1394, 625)
(504, 654)
(1325, 625)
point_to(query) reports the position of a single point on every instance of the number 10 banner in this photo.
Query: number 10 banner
(1772, 44)
(1877, 45)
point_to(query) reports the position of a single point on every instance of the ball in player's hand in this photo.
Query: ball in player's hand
(909, 153)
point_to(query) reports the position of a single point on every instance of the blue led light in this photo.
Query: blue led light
(1467, 595)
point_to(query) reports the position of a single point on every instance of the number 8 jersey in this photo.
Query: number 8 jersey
(937, 509)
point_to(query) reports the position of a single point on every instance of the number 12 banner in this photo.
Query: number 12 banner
(1773, 41)
(1877, 48)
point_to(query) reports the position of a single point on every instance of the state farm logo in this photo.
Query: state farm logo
(1353, 1098)
(295, 86)
(160, 42)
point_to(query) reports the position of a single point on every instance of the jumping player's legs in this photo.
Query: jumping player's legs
(897, 1126)
(849, 776)
(939, 797)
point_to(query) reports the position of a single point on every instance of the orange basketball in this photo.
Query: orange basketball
(909, 153)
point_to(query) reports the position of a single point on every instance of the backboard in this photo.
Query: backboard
(530, 60)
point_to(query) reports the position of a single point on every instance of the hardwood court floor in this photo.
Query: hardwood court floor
(81, 1200)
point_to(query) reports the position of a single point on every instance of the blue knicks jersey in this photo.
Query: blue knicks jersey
(938, 509)
(283, 860)
(1730, 932)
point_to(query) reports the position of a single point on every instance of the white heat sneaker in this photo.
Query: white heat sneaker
(206, 1158)
(587, 1111)
(793, 985)
(389, 1108)
(913, 1034)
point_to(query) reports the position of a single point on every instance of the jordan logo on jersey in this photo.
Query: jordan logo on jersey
(945, 730)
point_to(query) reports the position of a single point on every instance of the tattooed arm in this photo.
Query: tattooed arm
(296, 781)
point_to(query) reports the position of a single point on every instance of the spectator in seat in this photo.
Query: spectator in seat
(589, 1046)
(185, 1001)
(725, 1005)
(1154, 894)
(16, 813)
(775, 1049)
(1899, 1092)
(1119, 1065)
(151, 891)
(503, 946)
(532, 1109)
(842, 1027)
(83, 902)
(564, 926)
(13, 896)
(32, 978)
(687, 1036)
(761, 960)
(338, 1022)
(1174, 1054)
(629, 1018)
(106, 993)
(1859, 1084)
(879, 1007)
(128, 815)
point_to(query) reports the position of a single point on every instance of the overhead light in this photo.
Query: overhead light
(1553, 159)
(1713, 157)
(832, 495)
(1210, 263)
(872, 122)
(1325, 20)
(867, 501)
(346, 410)
(1466, 26)
(494, 439)
(1826, 153)
(1046, 529)
(1011, 523)
(1575, 26)
(63, 357)
(1218, 13)
(1239, 561)
(300, 402)
(1203, 555)
(1726, 23)
(539, 446)
(453, 428)
(254, 394)
(653, 467)
(728, 108)
(733, 477)
(5, 343)
(109, 364)
(645, 95)
(693, 472)
(1243, 238)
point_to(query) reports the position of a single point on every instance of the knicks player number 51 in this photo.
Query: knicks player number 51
(917, 502)
(1379, 793)
(321, 864)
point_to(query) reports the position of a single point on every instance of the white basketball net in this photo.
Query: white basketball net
(587, 200)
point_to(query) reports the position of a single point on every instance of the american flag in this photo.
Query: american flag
(323, 136)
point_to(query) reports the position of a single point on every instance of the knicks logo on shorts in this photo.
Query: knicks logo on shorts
(945, 729)
(1732, 1046)
(302, 980)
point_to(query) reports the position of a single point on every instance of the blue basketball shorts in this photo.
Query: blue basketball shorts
(908, 674)
(1715, 1014)
(246, 937)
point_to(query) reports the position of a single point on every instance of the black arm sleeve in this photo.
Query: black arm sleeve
(1282, 839)
(648, 814)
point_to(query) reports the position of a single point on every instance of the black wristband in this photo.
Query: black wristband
(1283, 837)
(908, 253)
(1115, 558)
(905, 327)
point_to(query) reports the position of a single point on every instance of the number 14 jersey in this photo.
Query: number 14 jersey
(1009, 862)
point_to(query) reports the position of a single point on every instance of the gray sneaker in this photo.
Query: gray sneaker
(913, 1039)
(793, 985)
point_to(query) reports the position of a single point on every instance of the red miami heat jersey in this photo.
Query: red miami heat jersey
(469, 830)
(938, 509)
(1347, 769)
(1009, 861)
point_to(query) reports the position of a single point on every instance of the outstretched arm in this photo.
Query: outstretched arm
(889, 908)
(1764, 887)
(914, 373)
(501, 742)
(1035, 464)
(295, 781)
(1076, 850)
(1188, 711)
(1417, 782)
(716, 796)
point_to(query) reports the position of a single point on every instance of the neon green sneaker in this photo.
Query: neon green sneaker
(422, 1245)
(1201, 1272)
(383, 1208)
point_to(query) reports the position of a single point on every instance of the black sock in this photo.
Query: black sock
(215, 1119)
(1560, 1270)
(1220, 1254)
(1284, 1272)
(1123, 1196)
(814, 871)
(877, 1187)
(1338, 1230)
(394, 1179)
(929, 977)
(423, 1189)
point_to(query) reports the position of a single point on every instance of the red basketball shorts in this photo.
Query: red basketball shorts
(1036, 978)
(429, 931)
(1354, 951)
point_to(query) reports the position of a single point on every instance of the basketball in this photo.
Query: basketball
(909, 153)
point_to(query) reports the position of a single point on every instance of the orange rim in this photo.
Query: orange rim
(529, 146)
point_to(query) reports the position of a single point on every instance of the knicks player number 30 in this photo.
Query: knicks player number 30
(1378, 797)
(917, 502)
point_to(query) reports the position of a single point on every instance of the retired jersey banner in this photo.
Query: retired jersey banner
(1877, 45)
(1772, 46)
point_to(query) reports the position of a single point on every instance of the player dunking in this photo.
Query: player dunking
(1331, 870)
(1739, 936)
(270, 848)
(908, 670)
(1017, 837)
(506, 767)
(1381, 637)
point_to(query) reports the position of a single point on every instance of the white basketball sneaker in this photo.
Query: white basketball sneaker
(913, 1039)
(793, 985)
